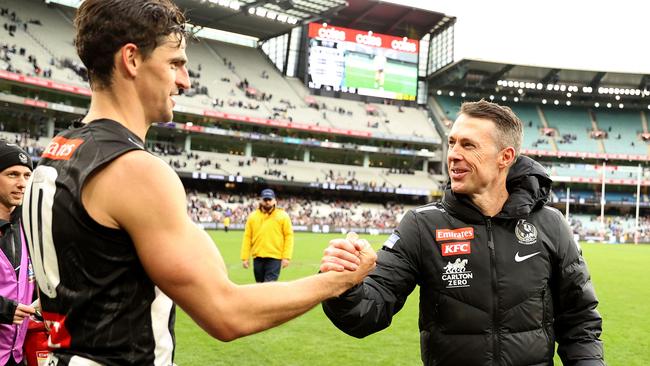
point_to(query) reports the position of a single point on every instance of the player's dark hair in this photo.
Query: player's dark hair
(104, 26)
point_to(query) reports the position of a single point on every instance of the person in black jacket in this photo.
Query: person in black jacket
(501, 278)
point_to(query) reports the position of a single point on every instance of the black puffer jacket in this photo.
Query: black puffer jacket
(493, 291)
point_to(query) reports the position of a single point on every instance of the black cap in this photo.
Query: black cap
(11, 154)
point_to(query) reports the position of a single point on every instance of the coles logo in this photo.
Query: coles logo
(456, 248)
(331, 33)
(368, 40)
(404, 45)
(61, 148)
(464, 233)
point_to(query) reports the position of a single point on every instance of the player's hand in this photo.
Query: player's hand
(344, 254)
(245, 264)
(285, 263)
(22, 311)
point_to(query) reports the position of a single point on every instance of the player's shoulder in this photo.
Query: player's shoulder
(139, 167)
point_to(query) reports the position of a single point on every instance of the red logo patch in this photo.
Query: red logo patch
(462, 247)
(59, 335)
(464, 233)
(61, 148)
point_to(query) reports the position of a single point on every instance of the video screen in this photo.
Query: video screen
(361, 62)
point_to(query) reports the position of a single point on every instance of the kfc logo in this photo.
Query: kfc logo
(456, 248)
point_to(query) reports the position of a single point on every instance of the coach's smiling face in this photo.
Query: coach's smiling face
(473, 159)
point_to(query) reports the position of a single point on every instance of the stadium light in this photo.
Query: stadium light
(543, 101)
(621, 106)
(648, 106)
(491, 97)
(568, 102)
(540, 86)
(516, 99)
(568, 95)
(596, 104)
(520, 91)
(556, 102)
(439, 92)
(463, 94)
(251, 11)
(618, 97)
(451, 93)
(609, 105)
(504, 98)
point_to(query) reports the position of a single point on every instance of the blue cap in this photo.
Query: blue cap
(268, 193)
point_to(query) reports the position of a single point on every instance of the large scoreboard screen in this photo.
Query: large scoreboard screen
(362, 62)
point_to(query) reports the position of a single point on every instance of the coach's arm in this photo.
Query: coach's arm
(370, 307)
(183, 261)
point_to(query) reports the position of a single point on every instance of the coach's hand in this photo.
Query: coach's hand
(349, 254)
(22, 311)
(245, 263)
(285, 262)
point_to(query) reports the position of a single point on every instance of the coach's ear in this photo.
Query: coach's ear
(127, 60)
(507, 157)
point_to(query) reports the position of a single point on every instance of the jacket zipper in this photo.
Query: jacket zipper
(495, 295)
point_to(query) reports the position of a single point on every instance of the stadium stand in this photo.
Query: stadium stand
(243, 82)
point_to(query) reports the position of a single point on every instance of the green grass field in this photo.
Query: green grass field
(619, 273)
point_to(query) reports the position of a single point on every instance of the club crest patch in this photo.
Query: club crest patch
(525, 232)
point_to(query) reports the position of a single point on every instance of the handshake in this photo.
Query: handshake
(352, 255)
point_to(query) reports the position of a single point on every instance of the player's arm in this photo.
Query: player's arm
(184, 262)
(578, 324)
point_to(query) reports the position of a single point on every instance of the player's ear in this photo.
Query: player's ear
(127, 60)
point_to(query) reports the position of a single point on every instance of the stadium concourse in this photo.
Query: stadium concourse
(350, 140)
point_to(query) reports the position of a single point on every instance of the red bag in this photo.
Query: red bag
(35, 346)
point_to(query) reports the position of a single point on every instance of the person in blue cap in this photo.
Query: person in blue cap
(268, 238)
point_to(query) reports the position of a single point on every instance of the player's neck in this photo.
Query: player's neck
(121, 107)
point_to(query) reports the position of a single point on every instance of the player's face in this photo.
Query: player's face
(162, 75)
(473, 155)
(13, 181)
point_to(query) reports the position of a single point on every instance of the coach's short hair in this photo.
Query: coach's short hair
(104, 26)
(509, 129)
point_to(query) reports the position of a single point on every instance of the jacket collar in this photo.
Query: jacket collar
(528, 185)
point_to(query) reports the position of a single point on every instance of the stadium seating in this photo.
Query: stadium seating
(299, 171)
(206, 208)
(623, 129)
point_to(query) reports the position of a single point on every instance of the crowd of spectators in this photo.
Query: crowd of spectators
(213, 207)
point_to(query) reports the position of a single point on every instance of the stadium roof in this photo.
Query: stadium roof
(388, 18)
(265, 19)
(525, 80)
(262, 19)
